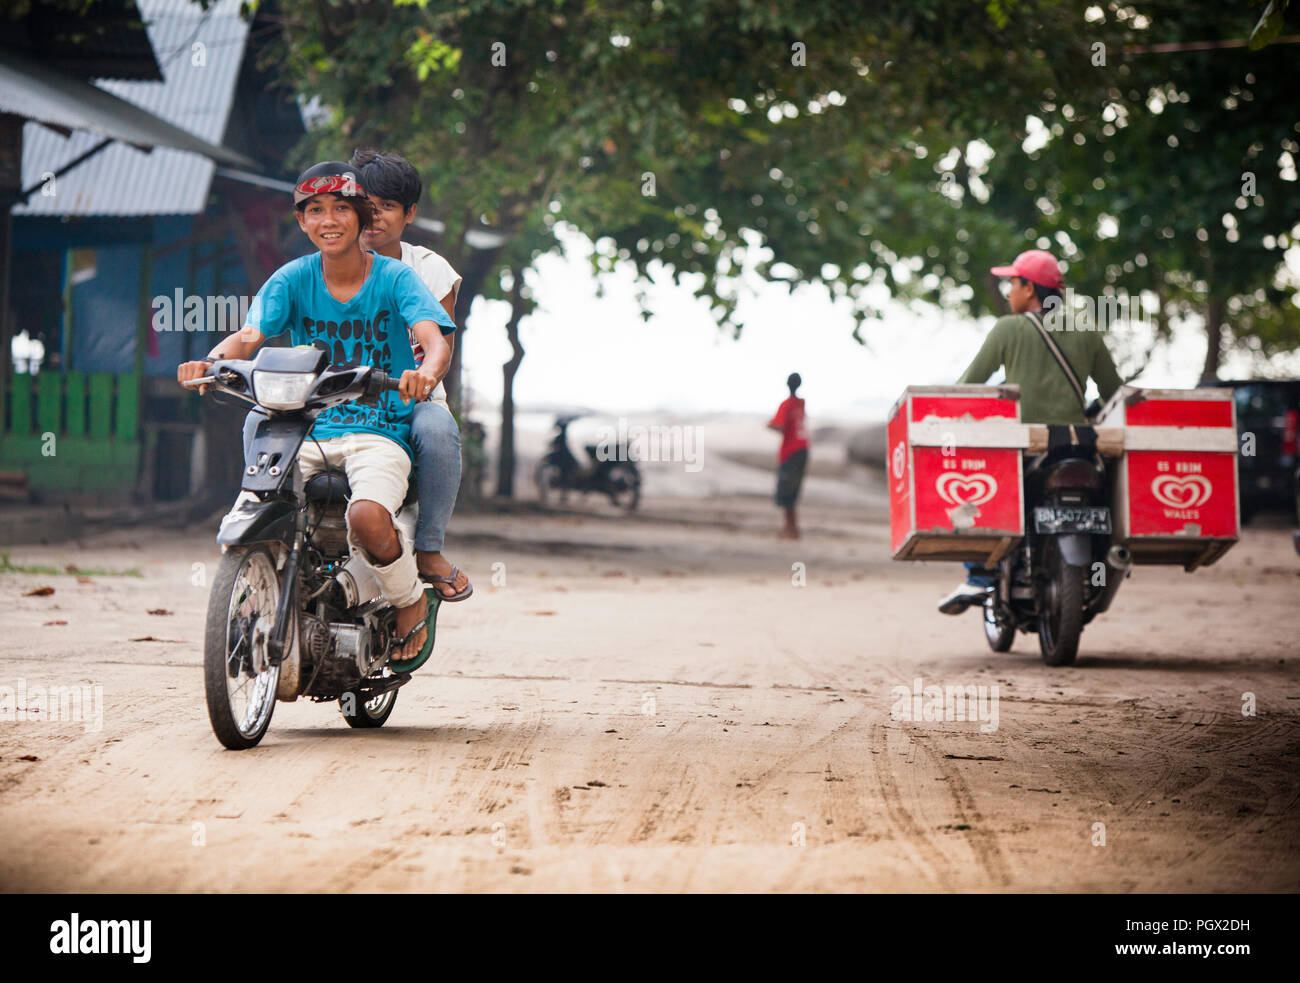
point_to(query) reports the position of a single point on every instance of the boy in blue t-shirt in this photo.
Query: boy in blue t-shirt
(362, 306)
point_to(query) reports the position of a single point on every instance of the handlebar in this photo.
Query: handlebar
(376, 384)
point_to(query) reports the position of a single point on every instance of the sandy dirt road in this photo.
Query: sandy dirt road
(653, 705)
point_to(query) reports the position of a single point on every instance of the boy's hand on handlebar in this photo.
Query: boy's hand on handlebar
(193, 370)
(417, 384)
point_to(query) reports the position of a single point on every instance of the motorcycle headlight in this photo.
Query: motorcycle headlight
(282, 390)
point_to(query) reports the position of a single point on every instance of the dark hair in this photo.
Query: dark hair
(1041, 292)
(388, 176)
(794, 382)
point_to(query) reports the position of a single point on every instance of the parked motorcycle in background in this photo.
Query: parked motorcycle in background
(560, 472)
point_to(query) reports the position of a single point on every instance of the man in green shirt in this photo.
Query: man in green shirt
(1046, 395)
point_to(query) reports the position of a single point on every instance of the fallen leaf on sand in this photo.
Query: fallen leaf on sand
(54, 623)
(158, 611)
(541, 612)
(39, 592)
(151, 638)
(28, 757)
(84, 580)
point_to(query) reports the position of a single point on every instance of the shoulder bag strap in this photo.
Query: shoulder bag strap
(1061, 360)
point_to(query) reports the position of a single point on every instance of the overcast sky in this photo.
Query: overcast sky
(598, 353)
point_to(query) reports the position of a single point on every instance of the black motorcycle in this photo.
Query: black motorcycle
(614, 474)
(292, 613)
(1066, 571)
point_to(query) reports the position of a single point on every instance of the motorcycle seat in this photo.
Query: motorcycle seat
(331, 486)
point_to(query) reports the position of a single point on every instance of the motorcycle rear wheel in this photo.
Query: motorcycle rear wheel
(241, 614)
(369, 713)
(1060, 607)
(624, 487)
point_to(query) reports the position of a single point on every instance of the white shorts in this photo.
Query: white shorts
(377, 470)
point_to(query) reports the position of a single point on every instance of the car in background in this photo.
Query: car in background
(1268, 409)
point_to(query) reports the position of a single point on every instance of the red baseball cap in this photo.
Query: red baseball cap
(1036, 265)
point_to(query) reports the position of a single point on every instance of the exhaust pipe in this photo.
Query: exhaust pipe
(1118, 561)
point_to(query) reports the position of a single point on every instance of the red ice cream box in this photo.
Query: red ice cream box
(1175, 491)
(954, 469)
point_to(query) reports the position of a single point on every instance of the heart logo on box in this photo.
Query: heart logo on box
(966, 489)
(899, 460)
(1187, 492)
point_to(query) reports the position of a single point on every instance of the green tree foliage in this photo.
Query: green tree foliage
(832, 143)
(682, 132)
(1179, 182)
(1183, 184)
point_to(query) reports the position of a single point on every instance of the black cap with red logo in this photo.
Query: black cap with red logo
(327, 177)
(336, 178)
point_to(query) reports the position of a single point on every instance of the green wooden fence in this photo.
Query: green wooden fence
(73, 431)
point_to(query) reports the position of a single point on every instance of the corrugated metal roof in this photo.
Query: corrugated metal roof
(196, 96)
(30, 90)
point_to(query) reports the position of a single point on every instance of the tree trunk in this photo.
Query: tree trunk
(478, 264)
(506, 452)
(1214, 330)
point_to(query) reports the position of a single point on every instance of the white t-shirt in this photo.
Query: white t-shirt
(441, 279)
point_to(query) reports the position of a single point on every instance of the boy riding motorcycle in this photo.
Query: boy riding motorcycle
(361, 306)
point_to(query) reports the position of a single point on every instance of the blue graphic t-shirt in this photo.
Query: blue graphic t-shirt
(370, 329)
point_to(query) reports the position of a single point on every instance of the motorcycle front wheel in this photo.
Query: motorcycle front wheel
(238, 678)
(1060, 608)
(998, 635)
(550, 483)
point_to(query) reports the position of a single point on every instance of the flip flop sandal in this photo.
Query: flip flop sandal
(430, 623)
(429, 578)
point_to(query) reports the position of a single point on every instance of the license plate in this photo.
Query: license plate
(1072, 518)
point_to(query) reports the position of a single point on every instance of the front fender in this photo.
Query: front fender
(259, 522)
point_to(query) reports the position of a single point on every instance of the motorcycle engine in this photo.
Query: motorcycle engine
(329, 529)
(315, 640)
(347, 649)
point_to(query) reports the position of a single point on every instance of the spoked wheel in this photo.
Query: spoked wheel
(998, 635)
(363, 713)
(624, 487)
(550, 484)
(238, 678)
(1060, 607)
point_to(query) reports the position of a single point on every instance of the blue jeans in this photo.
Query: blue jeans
(978, 576)
(435, 438)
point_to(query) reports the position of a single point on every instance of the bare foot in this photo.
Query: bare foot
(436, 565)
(407, 618)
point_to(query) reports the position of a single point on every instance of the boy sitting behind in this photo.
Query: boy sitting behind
(394, 188)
